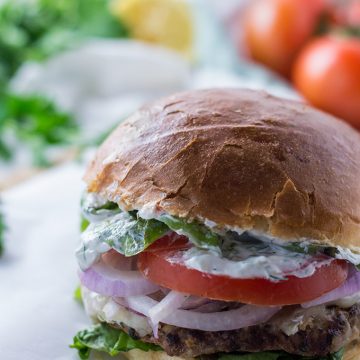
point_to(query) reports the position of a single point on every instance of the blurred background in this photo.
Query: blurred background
(71, 70)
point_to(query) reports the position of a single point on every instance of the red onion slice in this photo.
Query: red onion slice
(247, 315)
(172, 301)
(348, 288)
(106, 280)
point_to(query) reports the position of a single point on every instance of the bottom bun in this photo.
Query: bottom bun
(352, 351)
(151, 355)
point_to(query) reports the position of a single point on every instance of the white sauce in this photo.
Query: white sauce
(347, 301)
(92, 243)
(149, 211)
(90, 250)
(264, 260)
(347, 254)
(268, 262)
(105, 309)
(93, 200)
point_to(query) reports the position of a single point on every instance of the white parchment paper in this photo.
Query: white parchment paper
(38, 271)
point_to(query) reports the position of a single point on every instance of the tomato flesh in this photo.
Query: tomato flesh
(164, 267)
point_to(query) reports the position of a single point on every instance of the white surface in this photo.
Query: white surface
(38, 272)
(104, 80)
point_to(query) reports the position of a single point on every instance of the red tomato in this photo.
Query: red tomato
(275, 30)
(353, 13)
(346, 13)
(327, 73)
(163, 265)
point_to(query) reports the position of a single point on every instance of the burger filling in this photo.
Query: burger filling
(155, 282)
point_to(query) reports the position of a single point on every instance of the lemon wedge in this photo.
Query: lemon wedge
(162, 22)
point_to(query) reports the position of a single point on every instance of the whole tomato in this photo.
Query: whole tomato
(275, 30)
(353, 13)
(327, 73)
(345, 13)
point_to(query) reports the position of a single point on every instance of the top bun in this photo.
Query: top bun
(238, 158)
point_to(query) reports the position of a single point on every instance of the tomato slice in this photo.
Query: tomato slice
(163, 265)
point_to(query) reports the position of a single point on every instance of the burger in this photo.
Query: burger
(223, 225)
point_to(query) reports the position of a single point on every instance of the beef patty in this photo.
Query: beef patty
(317, 331)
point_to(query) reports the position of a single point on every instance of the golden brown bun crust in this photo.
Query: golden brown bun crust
(352, 352)
(241, 158)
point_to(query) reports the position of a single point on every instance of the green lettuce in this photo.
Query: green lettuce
(198, 234)
(129, 234)
(126, 233)
(103, 337)
(279, 356)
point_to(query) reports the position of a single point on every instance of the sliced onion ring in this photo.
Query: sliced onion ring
(247, 315)
(172, 301)
(106, 280)
(348, 288)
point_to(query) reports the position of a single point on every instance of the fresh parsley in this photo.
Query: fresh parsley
(35, 122)
(35, 30)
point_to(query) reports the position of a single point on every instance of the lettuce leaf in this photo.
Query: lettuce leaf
(124, 232)
(197, 233)
(103, 222)
(270, 355)
(130, 234)
(103, 337)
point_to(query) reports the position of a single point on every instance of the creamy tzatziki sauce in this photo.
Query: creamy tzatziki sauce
(243, 254)
(252, 258)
